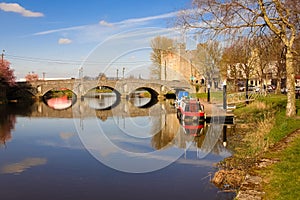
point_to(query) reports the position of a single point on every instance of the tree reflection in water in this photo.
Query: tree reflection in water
(7, 123)
(8, 120)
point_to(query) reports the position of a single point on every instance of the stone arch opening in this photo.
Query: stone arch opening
(59, 98)
(102, 98)
(143, 97)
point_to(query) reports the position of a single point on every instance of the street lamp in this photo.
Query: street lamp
(123, 72)
(208, 92)
(224, 95)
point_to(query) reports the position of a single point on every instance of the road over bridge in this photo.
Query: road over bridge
(122, 87)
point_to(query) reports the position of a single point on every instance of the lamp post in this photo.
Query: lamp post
(123, 72)
(247, 88)
(208, 92)
(224, 95)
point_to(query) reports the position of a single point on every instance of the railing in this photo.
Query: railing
(240, 97)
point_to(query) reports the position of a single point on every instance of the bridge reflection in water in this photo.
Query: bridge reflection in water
(159, 122)
(41, 144)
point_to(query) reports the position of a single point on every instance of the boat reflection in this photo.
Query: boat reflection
(193, 128)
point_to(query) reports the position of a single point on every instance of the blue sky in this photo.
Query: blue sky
(59, 36)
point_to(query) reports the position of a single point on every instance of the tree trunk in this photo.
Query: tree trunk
(278, 86)
(290, 78)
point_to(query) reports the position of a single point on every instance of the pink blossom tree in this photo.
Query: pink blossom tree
(7, 76)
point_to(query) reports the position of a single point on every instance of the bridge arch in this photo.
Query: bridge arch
(153, 96)
(97, 100)
(44, 91)
(105, 86)
(59, 98)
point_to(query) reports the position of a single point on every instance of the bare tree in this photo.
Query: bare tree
(241, 59)
(207, 58)
(231, 18)
(266, 53)
(230, 67)
(160, 46)
(278, 55)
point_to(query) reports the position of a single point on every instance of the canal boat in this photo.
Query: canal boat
(190, 109)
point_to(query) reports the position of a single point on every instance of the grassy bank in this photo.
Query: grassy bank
(261, 125)
(282, 179)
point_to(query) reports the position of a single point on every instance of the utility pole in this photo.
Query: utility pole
(44, 73)
(117, 74)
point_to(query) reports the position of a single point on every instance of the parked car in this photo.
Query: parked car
(284, 90)
(271, 88)
(250, 88)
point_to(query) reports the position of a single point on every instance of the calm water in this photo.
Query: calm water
(126, 152)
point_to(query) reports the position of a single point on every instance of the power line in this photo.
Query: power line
(72, 62)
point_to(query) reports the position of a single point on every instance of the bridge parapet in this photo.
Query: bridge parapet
(123, 86)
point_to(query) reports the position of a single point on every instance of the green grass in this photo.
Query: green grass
(284, 176)
(282, 180)
(265, 124)
(215, 96)
(283, 126)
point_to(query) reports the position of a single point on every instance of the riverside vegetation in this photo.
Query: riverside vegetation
(266, 145)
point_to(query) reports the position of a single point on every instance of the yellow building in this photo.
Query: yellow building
(177, 65)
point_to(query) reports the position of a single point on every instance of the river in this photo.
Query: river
(89, 150)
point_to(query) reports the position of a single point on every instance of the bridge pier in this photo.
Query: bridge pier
(161, 97)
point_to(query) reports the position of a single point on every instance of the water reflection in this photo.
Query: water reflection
(19, 167)
(137, 129)
(7, 124)
(103, 101)
(47, 149)
(59, 103)
(140, 102)
(193, 128)
(99, 101)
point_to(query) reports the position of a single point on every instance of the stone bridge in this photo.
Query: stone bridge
(122, 87)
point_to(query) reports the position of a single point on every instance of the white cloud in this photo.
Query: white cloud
(105, 23)
(139, 20)
(64, 41)
(60, 30)
(146, 19)
(123, 23)
(14, 7)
